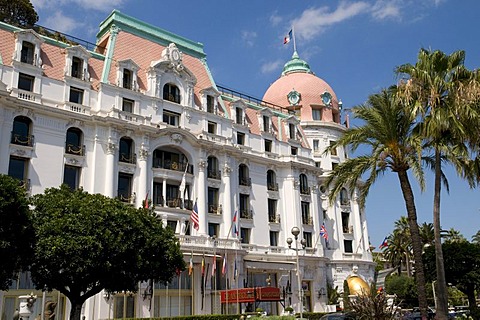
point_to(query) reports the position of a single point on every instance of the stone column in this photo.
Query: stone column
(202, 201)
(110, 170)
(227, 201)
(142, 178)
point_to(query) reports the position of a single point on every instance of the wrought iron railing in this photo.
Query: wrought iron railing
(23, 140)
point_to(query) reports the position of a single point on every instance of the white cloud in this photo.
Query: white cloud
(99, 5)
(313, 21)
(62, 23)
(275, 19)
(271, 66)
(384, 9)
(249, 37)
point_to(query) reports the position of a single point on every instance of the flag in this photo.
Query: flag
(203, 266)
(384, 244)
(235, 224)
(224, 266)
(181, 188)
(214, 265)
(194, 216)
(145, 204)
(235, 271)
(288, 37)
(323, 232)
(190, 267)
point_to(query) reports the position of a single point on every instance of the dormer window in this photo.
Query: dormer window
(266, 124)
(76, 63)
(292, 130)
(210, 104)
(27, 53)
(77, 68)
(239, 115)
(127, 74)
(27, 47)
(171, 93)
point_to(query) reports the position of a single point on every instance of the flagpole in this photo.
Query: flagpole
(294, 42)
(179, 296)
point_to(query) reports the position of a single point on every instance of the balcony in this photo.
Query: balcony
(305, 190)
(175, 203)
(126, 197)
(306, 219)
(272, 186)
(214, 174)
(243, 181)
(74, 149)
(24, 184)
(274, 218)
(128, 158)
(214, 209)
(246, 214)
(172, 165)
(23, 140)
(158, 200)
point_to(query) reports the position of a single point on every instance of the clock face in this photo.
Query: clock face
(326, 98)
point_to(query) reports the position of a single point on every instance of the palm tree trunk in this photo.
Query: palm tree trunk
(441, 294)
(416, 240)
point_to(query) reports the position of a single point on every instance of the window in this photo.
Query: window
(25, 82)
(272, 181)
(213, 229)
(126, 150)
(345, 222)
(243, 175)
(172, 225)
(212, 127)
(316, 145)
(71, 177)
(127, 78)
(306, 212)
(272, 210)
(304, 189)
(274, 238)
(171, 93)
(21, 131)
(318, 164)
(239, 115)
(334, 165)
(171, 160)
(213, 200)
(266, 123)
(210, 104)
(17, 168)
(268, 145)
(348, 245)
(344, 197)
(294, 151)
(333, 152)
(158, 194)
(76, 95)
(125, 186)
(245, 206)
(316, 114)
(73, 145)
(245, 235)
(124, 306)
(308, 239)
(127, 105)
(77, 68)
(212, 168)
(291, 129)
(27, 53)
(240, 138)
(171, 118)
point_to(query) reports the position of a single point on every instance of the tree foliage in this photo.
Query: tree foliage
(16, 231)
(404, 287)
(86, 243)
(19, 13)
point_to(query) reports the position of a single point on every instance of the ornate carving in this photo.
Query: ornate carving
(111, 148)
(227, 170)
(176, 138)
(143, 154)
(296, 184)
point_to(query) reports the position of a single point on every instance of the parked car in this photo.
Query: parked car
(337, 316)
(415, 314)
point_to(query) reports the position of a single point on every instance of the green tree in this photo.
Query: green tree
(427, 234)
(86, 243)
(476, 237)
(462, 267)
(398, 250)
(387, 134)
(453, 235)
(19, 13)
(443, 94)
(16, 231)
(404, 287)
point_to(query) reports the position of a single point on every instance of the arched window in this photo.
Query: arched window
(213, 170)
(171, 93)
(272, 181)
(27, 53)
(243, 175)
(21, 131)
(344, 196)
(73, 143)
(126, 150)
(304, 189)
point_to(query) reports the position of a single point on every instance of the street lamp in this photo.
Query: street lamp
(295, 232)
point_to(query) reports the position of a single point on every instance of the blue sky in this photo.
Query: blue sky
(353, 45)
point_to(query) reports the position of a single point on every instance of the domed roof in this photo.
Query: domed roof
(299, 88)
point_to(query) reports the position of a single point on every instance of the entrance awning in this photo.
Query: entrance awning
(252, 295)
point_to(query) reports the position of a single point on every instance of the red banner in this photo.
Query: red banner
(246, 295)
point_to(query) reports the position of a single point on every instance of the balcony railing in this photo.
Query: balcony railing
(74, 149)
(273, 217)
(246, 214)
(126, 197)
(158, 200)
(174, 202)
(272, 186)
(23, 140)
(215, 209)
(305, 190)
(214, 174)
(24, 184)
(128, 158)
(243, 181)
(172, 165)
(307, 220)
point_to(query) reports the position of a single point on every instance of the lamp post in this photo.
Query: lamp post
(295, 232)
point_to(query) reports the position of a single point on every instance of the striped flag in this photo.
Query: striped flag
(145, 204)
(235, 223)
(214, 265)
(194, 216)
(288, 37)
(323, 232)
(224, 266)
(384, 244)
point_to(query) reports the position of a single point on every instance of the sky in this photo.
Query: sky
(352, 45)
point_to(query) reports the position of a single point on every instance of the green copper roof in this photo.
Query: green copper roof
(150, 32)
(296, 65)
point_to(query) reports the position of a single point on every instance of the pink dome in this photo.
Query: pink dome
(313, 92)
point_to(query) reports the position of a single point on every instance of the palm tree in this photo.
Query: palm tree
(398, 250)
(476, 237)
(402, 231)
(441, 91)
(427, 234)
(453, 235)
(387, 133)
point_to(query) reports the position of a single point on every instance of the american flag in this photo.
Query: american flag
(323, 232)
(194, 216)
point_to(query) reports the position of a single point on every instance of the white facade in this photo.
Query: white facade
(139, 122)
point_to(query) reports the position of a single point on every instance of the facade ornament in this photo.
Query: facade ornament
(111, 148)
(227, 170)
(142, 154)
(296, 184)
(202, 164)
(174, 56)
(176, 138)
